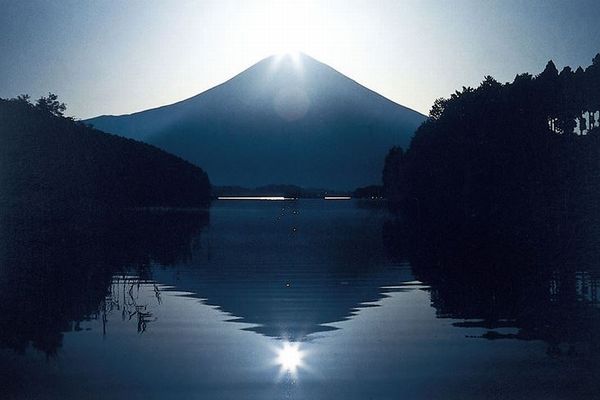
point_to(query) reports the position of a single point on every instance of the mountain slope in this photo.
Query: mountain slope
(283, 120)
(49, 162)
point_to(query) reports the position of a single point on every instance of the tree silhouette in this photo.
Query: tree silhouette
(51, 104)
(392, 173)
(505, 160)
(47, 160)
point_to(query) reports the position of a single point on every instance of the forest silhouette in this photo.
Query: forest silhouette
(50, 162)
(511, 167)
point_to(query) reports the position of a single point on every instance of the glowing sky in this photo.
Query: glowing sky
(115, 57)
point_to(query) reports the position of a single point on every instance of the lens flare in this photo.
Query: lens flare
(291, 103)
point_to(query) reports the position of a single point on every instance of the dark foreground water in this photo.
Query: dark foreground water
(302, 299)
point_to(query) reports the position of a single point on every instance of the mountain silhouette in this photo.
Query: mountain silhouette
(50, 163)
(287, 119)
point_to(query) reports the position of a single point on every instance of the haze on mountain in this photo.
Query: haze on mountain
(287, 119)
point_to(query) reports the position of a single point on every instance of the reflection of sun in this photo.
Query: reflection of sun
(289, 357)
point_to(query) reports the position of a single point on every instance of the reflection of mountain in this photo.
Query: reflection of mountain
(55, 271)
(280, 121)
(290, 268)
(548, 294)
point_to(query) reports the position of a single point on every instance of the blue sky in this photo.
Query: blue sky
(115, 57)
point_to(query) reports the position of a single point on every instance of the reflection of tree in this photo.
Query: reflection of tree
(56, 272)
(546, 297)
(123, 295)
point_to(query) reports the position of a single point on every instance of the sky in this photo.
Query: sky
(118, 57)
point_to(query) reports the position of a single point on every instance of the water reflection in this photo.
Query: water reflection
(290, 270)
(306, 299)
(290, 357)
(124, 297)
(56, 270)
(287, 272)
(543, 292)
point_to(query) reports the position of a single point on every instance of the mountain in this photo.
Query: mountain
(287, 119)
(48, 162)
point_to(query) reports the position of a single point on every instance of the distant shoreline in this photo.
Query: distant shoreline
(280, 198)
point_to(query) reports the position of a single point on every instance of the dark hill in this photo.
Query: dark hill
(285, 119)
(47, 161)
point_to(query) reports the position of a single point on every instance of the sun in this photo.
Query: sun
(284, 27)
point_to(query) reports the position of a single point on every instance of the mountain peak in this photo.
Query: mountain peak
(289, 64)
(288, 118)
(292, 56)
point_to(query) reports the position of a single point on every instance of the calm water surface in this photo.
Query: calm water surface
(304, 299)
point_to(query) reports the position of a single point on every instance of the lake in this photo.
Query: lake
(304, 299)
